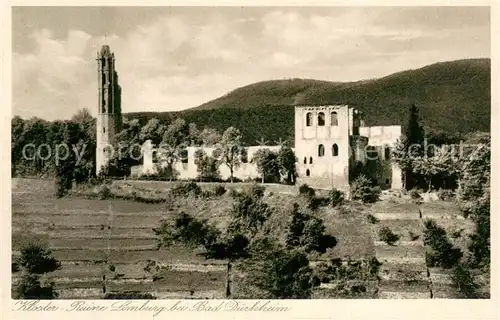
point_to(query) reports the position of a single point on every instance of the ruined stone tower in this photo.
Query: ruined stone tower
(109, 115)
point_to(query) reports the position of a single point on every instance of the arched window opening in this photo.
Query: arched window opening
(308, 173)
(321, 119)
(335, 150)
(321, 150)
(305, 160)
(310, 160)
(184, 156)
(309, 119)
(387, 153)
(371, 153)
(244, 156)
(334, 120)
(386, 181)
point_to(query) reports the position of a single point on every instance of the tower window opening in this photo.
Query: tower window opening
(334, 121)
(335, 150)
(321, 119)
(309, 119)
(305, 160)
(308, 173)
(103, 130)
(321, 150)
(184, 156)
(244, 156)
(310, 160)
(387, 153)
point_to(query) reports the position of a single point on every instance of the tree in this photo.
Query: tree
(475, 173)
(35, 260)
(210, 137)
(268, 166)
(282, 274)
(412, 144)
(414, 132)
(230, 150)
(465, 283)
(153, 130)
(207, 167)
(308, 232)
(286, 161)
(249, 212)
(441, 164)
(176, 133)
(84, 168)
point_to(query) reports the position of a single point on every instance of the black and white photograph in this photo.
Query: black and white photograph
(250, 152)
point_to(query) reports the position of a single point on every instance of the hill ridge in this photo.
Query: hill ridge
(453, 96)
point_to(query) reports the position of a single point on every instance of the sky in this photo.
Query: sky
(174, 58)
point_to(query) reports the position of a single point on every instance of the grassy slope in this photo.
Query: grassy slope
(452, 96)
(77, 229)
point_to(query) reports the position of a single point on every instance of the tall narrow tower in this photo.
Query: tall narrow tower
(109, 115)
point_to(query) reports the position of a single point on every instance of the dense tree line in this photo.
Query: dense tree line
(65, 150)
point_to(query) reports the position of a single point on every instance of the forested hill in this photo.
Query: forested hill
(452, 97)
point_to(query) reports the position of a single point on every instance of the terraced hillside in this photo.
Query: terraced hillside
(109, 246)
(404, 273)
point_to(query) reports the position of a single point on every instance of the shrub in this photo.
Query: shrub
(442, 253)
(414, 194)
(307, 191)
(371, 218)
(283, 275)
(413, 236)
(308, 232)
(362, 189)
(36, 258)
(315, 202)
(385, 234)
(257, 191)
(462, 280)
(446, 195)
(186, 230)
(344, 209)
(233, 247)
(103, 192)
(374, 266)
(336, 197)
(249, 212)
(323, 273)
(219, 190)
(187, 189)
(30, 287)
(233, 193)
(34, 261)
